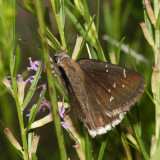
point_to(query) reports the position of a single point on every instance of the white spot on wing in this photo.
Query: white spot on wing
(109, 90)
(100, 130)
(115, 122)
(123, 85)
(106, 65)
(121, 115)
(108, 127)
(97, 101)
(108, 114)
(111, 98)
(114, 85)
(107, 70)
(124, 73)
(93, 133)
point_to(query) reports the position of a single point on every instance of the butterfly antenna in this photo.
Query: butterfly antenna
(73, 32)
(27, 42)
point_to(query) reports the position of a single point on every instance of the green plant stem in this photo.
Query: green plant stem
(56, 8)
(156, 8)
(51, 81)
(20, 113)
(125, 144)
(157, 45)
(157, 40)
(61, 31)
(20, 117)
(97, 23)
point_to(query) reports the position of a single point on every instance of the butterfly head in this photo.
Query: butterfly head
(61, 55)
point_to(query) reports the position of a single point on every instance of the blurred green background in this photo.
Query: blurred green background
(118, 19)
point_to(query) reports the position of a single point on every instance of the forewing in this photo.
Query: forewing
(115, 88)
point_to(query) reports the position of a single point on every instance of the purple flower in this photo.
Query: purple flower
(33, 65)
(62, 114)
(44, 105)
(43, 88)
(64, 125)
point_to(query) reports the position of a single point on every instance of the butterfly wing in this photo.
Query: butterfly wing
(111, 91)
(100, 92)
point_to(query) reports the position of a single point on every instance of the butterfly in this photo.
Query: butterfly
(100, 92)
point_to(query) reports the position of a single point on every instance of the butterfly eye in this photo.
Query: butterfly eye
(56, 58)
(60, 55)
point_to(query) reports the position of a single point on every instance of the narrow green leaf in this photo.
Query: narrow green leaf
(86, 11)
(33, 86)
(93, 53)
(88, 147)
(85, 37)
(34, 110)
(60, 89)
(158, 21)
(149, 25)
(135, 68)
(149, 94)
(56, 6)
(118, 51)
(97, 20)
(83, 32)
(62, 14)
(78, 25)
(100, 52)
(30, 139)
(125, 144)
(126, 14)
(47, 17)
(17, 60)
(55, 44)
(71, 5)
(102, 149)
(137, 130)
(108, 20)
(116, 19)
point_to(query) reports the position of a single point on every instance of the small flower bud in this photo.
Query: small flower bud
(8, 85)
(12, 139)
(77, 47)
(34, 144)
(72, 128)
(21, 88)
(150, 12)
(42, 122)
(154, 81)
(80, 152)
(147, 34)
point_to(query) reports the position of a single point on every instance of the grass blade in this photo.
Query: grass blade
(118, 51)
(137, 130)
(102, 149)
(88, 147)
(34, 110)
(33, 86)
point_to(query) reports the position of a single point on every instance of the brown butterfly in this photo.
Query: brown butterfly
(100, 92)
